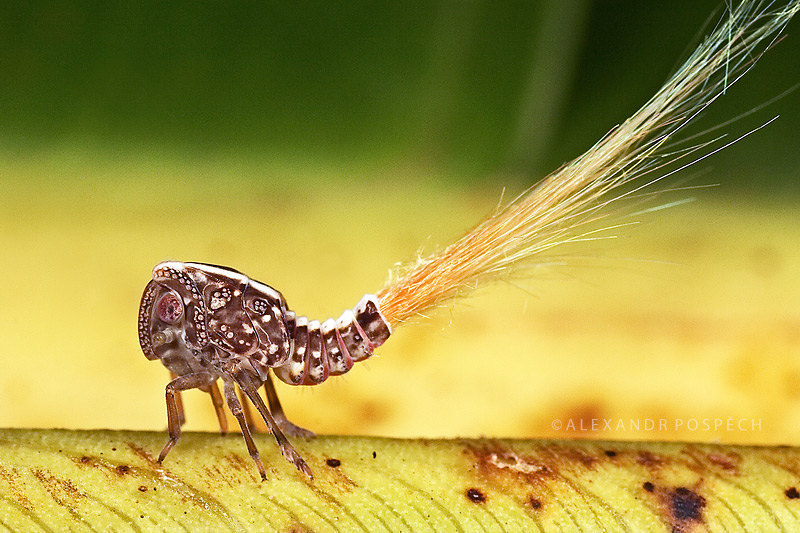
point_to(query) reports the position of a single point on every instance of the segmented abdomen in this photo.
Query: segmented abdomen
(320, 350)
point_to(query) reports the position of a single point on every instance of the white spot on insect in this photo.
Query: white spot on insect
(217, 303)
(267, 318)
(247, 328)
(224, 327)
(334, 351)
(241, 341)
(301, 350)
(273, 349)
(316, 355)
(237, 292)
(230, 336)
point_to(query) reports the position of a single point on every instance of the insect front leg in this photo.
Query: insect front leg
(219, 407)
(278, 414)
(178, 402)
(174, 413)
(236, 409)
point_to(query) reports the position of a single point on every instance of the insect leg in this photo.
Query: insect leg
(178, 402)
(277, 412)
(219, 408)
(236, 409)
(173, 389)
(248, 413)
(285, 446)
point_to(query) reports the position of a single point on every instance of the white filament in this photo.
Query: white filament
(556, 210)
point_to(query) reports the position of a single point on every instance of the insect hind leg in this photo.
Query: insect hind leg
(237, 373)
(287, 450)
(279, 415)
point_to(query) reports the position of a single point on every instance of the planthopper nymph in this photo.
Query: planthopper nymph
(209, 323)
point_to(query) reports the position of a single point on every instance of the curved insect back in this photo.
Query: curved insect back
(267, 310)
(222, 308)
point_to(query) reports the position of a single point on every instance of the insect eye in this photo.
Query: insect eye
(170, 308)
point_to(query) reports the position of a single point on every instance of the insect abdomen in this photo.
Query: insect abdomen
(319, 351)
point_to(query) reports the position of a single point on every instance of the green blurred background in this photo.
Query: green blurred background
(313, 146)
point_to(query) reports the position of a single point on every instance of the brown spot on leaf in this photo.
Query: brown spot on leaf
(237, 462)
(729, 462)
(792, 493)
(649, 459)
(123, 469)
(575, 456)
(142, 488)
(682, 507)
(337, 477)
(499, 466)
(686, 506)
(84, 460)
(298, 528)
(11, 477)
(475, 495)
(517, 463)
(145, 455)
(62, 491)
(610, 453)
(535, 503)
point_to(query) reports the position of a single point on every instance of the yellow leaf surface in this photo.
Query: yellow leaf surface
(109, 480)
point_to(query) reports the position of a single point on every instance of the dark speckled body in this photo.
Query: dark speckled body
(206, 323)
